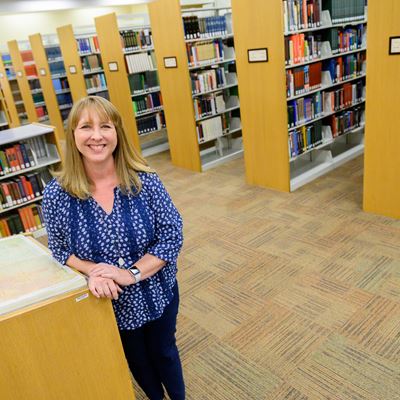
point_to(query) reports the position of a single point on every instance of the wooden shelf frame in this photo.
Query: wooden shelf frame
(12, 112)
(382, 139)
(46, 83)
(22, 80)
(72, 61)
(117, 81)
(169, 41)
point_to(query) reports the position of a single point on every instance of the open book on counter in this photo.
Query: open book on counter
(29, 274)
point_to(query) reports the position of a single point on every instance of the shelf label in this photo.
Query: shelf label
(42, 71)
(72, 69)
(113, 66)
(394, 45)
(82, 297)
(257, 55)
(19, 74)
(170, 62)
(1, 75)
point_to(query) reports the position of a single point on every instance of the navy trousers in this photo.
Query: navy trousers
(153, 356)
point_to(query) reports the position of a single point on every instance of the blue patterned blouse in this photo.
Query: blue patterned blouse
(145, 223)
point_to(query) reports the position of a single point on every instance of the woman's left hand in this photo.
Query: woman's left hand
(118, 275)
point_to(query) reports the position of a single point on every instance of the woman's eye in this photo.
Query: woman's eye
(84, 127)
(106, 126)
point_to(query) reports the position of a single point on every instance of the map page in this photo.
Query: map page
(29, 274)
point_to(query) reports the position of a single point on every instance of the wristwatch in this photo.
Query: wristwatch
(135, 272)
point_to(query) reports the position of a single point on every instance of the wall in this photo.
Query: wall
(20, 26)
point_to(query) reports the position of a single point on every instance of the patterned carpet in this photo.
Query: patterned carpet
(285, 296)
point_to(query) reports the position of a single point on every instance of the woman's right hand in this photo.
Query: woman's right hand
(104, 287)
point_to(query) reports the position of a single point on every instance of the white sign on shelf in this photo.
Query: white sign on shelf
(42, 71)
(257, 55)
(170, 62)
(72, 69)
(113, 66)
(394, 45)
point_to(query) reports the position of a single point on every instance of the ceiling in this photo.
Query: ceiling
(24, 6)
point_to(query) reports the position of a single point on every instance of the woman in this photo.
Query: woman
(109, 216)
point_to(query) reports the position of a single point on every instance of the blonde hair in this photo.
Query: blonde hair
(128, 162)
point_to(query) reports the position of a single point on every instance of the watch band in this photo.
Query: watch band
(135, 272)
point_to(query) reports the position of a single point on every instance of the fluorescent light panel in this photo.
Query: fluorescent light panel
(52, 5)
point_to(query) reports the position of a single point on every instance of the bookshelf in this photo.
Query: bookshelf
(26, 154)
(58, 76)
(92, 64)
(4, 119)
(382, 141)
(72, 62)
(311, 119)
(7, 95)
(46, 76)
(12, 94)
(118, 84)
(81, 54)
(200, 95)
(134, 88)
(27, 81)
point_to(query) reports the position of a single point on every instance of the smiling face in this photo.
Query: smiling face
(95, 138)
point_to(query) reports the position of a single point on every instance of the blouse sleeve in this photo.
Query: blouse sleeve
(54, 216)
(168, 224)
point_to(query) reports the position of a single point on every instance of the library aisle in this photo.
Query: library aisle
(296, 295)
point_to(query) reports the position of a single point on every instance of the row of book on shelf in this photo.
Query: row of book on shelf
(313, 106)
(303, 79)
(91, 62)
(150, 123)
(142, 81)
(22, 155)
(307, 14)
(23, 188)
(342, 11)
(305, 47)
(53, 52)
(147, 102)
(213, 127)
(310, 136)
(88, 45)
(27, 219)
(136, 40)
(204, 27)
(209, 105)
(140, 62)
(301, 14)
(95, 81)
(203, 51)
(203, 81)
